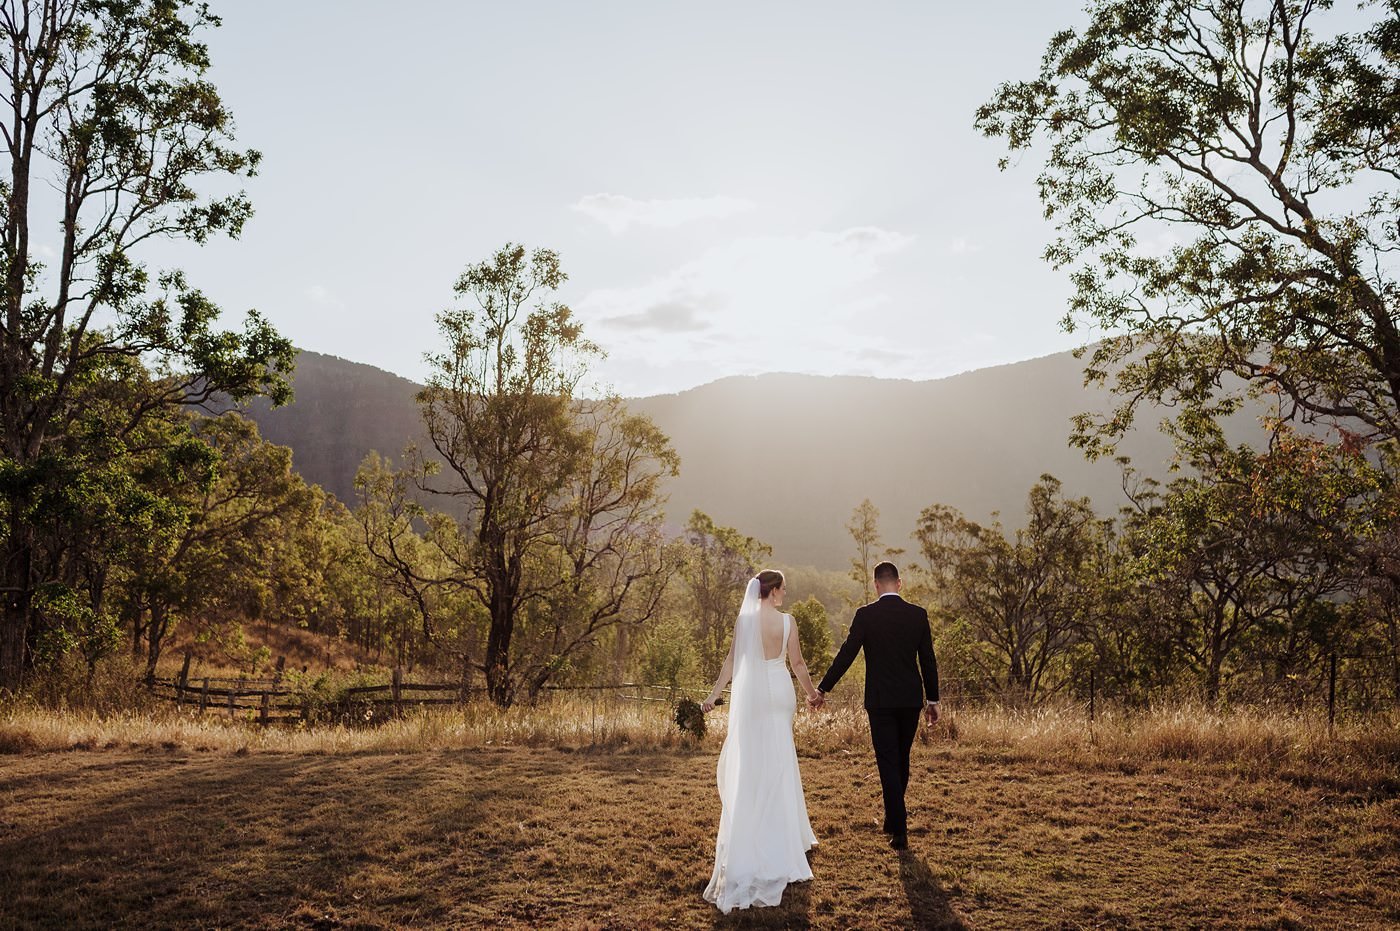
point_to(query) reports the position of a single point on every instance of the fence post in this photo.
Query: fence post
(1331, 691)
(233, 692)
(397, 689)
(1091, 696)
(204, 695)
(262, 712)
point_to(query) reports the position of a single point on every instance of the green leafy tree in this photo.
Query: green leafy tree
(813, 632)
(1255, 545)
(864, 529)
(719, 562)
(106, 104)
(666, 654)
(612, 559)
(1223, 180)
(1129, 620)
(1021, 596)
(99, 510)
(554, 499)
(356, 597)
(223, 557)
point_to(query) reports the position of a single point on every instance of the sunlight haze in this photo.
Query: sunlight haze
(733, 189)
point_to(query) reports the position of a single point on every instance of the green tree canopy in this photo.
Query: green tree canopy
(106, 103)
(1223, 177)
(552, 500)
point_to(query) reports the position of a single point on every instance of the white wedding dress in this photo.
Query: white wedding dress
(764, 833)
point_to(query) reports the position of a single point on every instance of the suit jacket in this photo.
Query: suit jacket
(894, 634)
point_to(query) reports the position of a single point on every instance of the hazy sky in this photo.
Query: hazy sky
(733, 187)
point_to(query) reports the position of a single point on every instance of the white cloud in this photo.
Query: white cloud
(618, 212)
(771, 303)
(961, 246)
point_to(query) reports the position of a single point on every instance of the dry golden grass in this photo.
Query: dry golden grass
(1358, 751)
(546, 818)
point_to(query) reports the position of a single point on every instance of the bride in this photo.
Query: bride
(764, 834)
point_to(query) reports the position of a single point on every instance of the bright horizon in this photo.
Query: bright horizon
(797, 188)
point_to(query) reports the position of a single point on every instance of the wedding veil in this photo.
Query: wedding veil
(749, 700)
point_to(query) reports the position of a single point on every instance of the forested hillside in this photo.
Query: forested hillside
(786, 457)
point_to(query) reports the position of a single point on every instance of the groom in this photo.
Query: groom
(893, 633)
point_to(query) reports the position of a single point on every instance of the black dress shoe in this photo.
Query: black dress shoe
(899, 841)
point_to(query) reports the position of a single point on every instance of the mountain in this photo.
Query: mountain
(784, 457)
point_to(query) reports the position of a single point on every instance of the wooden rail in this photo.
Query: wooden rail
(275, 703)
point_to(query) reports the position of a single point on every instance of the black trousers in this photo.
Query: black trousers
(892, 733)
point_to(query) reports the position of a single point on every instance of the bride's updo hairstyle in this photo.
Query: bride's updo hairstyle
(768, 580)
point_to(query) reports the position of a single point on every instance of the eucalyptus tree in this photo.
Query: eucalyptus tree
(550, 501)
(222, 555)
(1253, 545)
(1021, 597)
(1223, 177)
(612, 556)
(719, 561)
(864, 529)
(813, 631)
(112, 130)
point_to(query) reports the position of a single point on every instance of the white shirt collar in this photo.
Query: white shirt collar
(888, 594)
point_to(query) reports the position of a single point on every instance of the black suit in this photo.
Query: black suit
(900, 673)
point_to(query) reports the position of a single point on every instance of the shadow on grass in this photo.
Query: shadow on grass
(370, 840)
(224, 840)
(928, 903)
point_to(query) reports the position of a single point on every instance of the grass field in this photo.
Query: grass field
(1009, 828)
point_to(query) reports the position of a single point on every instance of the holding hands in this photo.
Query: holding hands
(815, 699)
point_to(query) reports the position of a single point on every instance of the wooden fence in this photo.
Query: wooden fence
(275, 703)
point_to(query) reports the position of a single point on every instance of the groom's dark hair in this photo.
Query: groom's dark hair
(886, 572)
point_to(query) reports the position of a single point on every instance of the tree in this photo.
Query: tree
(865, 532)
(613, 561)
(1021, 597)
(813, 632)
(1256, 544)
(719, 562)
(101, 507)
(1379, 591)
(415, 568)
(496, 409)
(221, 554)
(1265, 155)
(1130, 620)
(667, 654)
(105, 102)
(356, 598)
(555, 499)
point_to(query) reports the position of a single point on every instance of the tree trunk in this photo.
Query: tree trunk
(498, 679)
(1213, 663)
(12, 642)
(157, 630)
(18, 599)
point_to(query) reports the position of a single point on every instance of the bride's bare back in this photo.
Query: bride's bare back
(770, 625)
